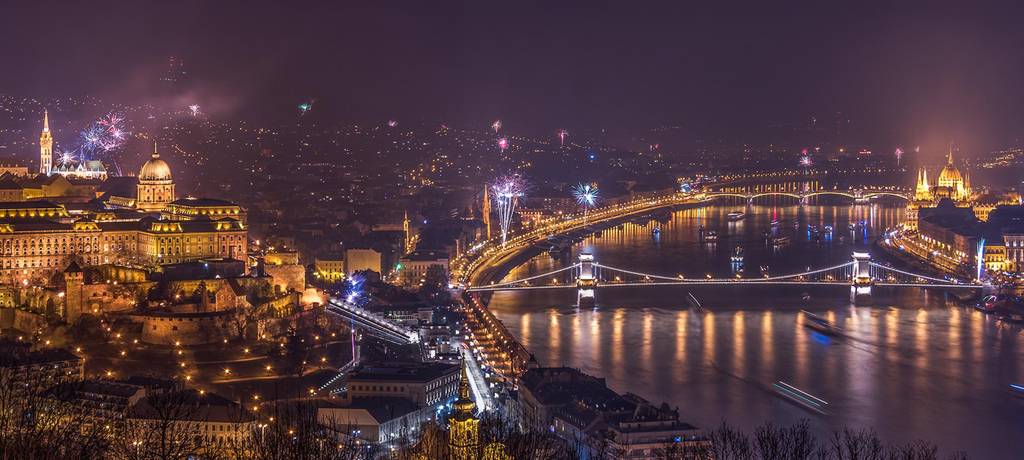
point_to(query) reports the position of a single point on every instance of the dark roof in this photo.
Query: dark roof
(384, 409)
(36, 204)
(152, 382)
(423, 256)
(119, 186)
(81, 390)
(7, 183)
(406, 372)
(562, 385)
(49, 355)
(194, 406)
(73, 267)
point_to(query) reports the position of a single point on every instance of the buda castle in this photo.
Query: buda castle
(79, 214)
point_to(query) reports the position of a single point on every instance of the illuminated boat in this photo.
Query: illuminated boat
(800, 397)
(709, 236)
(987, 304)
(737, 255)
(780, 240)
(736, 215)
(820, 324)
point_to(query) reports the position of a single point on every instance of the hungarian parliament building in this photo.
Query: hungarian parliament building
(78, 214)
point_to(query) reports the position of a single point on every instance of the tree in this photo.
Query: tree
(164, 426)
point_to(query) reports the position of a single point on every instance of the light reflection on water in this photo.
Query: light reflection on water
(914, 365)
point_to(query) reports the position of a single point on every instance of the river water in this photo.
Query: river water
(914, 364)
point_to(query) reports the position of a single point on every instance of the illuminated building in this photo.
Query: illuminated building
(89, 169)
(329, 267)
(425, 384)
(416, 264)
(156, 186)
(215, 420)
(487, 212)
(24, 371)
(359, 259)
(951, 184)
(39, 238)
(202, 208)
(45, 146)
(463, 425)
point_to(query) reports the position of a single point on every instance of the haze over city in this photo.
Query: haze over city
(471, 231)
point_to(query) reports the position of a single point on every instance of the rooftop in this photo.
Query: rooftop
(405, 372)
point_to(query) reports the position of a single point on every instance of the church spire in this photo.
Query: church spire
(155, 153)
(45, 146)
(487, 211)
(949, 156)
(463, 426)
(464, 405)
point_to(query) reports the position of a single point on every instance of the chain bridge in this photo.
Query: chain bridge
(860, 273)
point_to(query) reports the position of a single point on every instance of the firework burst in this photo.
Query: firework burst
(194, 110)
(503, 144)
(562, 134)
(496, 126)
(506, 192)
(585, 194)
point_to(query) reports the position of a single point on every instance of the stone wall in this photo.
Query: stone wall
(24, 321)
(196, 329)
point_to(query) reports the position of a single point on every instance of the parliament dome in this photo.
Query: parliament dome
(950, 174)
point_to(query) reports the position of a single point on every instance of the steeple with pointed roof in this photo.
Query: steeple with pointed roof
(45, 146)
(463, 425)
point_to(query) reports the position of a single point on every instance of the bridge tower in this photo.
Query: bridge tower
(861, 279)
(858, 197)
(586, 281)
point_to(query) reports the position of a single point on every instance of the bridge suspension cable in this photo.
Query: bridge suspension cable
(915, 275)
(750, 280)
(524, 280)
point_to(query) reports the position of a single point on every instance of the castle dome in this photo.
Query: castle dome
(155, 169)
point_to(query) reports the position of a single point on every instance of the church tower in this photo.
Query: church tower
(45, 146)
(487, 212)
(463, 426)
(407, 245)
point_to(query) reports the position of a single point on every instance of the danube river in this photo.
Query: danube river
(913, 364)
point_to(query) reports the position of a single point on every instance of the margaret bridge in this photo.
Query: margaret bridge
(859, 196)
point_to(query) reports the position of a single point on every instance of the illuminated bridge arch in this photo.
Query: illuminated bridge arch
(789, 194)
(903, 196)
(832, 193)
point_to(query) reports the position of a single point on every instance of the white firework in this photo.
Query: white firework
(507, 192)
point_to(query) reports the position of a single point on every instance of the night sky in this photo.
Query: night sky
(924, 74)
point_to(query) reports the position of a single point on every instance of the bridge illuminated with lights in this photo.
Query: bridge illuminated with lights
(859, 196)
(861, 273)
(475, 266)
